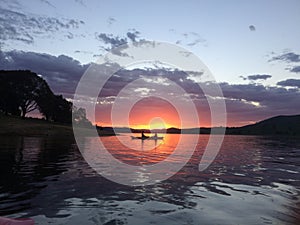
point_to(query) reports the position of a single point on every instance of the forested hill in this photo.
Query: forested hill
(279, 125)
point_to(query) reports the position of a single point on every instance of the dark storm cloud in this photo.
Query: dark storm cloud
(290, 83)
(18, 26)
(256, 77)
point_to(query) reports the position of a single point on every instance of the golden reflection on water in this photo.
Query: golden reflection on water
(137, 152)
(231, 163)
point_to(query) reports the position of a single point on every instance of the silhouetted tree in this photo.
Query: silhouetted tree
(19, 91)
(63, 110)
(79, 117)
(8, 100)
(28, 93)
(47, 103)
(24, 91)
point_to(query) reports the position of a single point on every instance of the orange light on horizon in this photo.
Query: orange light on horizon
(153, 113)
(144, 111)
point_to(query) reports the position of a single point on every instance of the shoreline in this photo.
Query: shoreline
(16, 126)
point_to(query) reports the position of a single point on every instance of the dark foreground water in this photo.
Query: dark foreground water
(254, 180)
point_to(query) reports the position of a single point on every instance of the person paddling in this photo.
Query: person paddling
(143, 135)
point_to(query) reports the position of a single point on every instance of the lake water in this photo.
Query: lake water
(253, 180)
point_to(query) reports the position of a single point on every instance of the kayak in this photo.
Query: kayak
(147, 138)
(141, 138)
(10, 221)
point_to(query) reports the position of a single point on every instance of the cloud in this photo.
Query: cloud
(47, 3)
(190, 38)
(252, 28)
(81, 2)
(133, 35)
(259, 77)
(111, 21)
(83, 52)
(12, 4)
(295, 69)
(116, 44)
(267, 101)
(69, 35)
(114, 41)
(287, 57)
(290, 83)
(256, 77)
(18, 26)
(245, 102)
(53, 68)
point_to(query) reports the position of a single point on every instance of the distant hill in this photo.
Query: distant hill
(278, 125)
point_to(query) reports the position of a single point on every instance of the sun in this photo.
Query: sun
(157, 123)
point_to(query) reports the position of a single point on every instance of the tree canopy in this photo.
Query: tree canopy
(23, 91)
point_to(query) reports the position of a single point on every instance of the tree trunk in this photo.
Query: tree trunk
(24, 111)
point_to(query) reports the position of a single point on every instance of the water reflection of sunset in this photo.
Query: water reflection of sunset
(153, 113)
(138, 152)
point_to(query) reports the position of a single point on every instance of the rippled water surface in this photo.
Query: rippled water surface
(253, 180)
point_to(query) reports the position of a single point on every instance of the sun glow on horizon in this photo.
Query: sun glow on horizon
(153, 113)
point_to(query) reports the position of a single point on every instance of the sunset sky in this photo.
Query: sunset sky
(251, 48)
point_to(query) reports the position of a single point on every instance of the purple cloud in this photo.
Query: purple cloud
(290, 83)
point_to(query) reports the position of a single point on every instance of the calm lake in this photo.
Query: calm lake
(253, 180)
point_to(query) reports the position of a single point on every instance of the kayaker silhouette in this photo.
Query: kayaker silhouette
(143, 135)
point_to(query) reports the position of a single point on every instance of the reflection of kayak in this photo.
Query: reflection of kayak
(156, 138)
(147, 138)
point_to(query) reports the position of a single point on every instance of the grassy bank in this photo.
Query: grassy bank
(11, 125)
